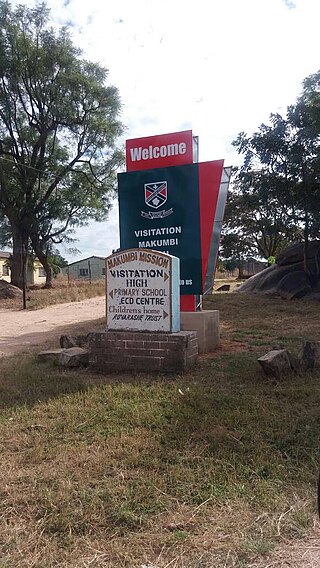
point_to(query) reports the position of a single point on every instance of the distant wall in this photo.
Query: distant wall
(82, 269)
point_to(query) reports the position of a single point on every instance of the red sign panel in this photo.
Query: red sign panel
(210, 174)
(159, 151)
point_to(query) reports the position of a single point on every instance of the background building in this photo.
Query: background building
(92, 268)
(35, 273)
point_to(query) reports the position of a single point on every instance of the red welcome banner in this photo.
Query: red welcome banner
(163, 150)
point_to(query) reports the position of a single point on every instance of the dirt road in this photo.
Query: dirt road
(21, 330)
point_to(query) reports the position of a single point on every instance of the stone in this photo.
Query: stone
(276, 363)
(287, 277)
(224, 288)
(73, 357)
(50, 355)
(310, 355)
(67, 341)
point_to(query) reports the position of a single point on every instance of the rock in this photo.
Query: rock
(294, 253)
(74, 357)
(276, 363)
(294, 286)
(224, 288)
(287, 278)
(67, 341)
(83, 340)
(50, 355)
(8, 291)
(294, 362)
(310, 355)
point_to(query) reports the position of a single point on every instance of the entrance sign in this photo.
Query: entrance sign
(159, 209)
(159, 151)
(173, 210)
(168, 207)
(142, 290)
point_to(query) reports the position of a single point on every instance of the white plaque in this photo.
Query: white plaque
(142, 291)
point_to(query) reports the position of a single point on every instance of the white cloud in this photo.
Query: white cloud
(217, 67)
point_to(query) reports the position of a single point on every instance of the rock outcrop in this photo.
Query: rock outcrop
(287, 277)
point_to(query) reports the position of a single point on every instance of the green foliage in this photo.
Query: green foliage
(58, 130)
(235, 248)
(275, 198)
(56, 261)
(271, 260)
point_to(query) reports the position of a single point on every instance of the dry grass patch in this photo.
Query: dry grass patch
(61, 293)
(215, 468)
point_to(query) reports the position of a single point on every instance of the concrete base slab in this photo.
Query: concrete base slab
(206, 324)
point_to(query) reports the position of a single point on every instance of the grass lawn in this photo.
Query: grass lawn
(213, 468)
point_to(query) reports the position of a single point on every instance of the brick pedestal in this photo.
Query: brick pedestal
(113, 351)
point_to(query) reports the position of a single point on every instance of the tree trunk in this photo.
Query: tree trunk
(240, 267)
(46, 265)
(306, 245)
(19, 258)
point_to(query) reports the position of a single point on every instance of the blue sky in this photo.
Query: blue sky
(217, 67)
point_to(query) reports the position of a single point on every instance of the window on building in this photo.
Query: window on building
(5, 270)
(41, 272)
(83, 272)
(103, 271)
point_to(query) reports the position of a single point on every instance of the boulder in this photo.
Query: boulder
(294, 254)
(276, 363)
(224, 288)
(310, 355)
(73, 357)
(287, 277)
(67, 341)
(50, 355)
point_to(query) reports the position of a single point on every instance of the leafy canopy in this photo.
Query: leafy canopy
(58, 128)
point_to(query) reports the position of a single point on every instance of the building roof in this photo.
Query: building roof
(84, 259)
(5, 254)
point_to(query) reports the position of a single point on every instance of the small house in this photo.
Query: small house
(35, 272)
(5, 273)
(91, 268)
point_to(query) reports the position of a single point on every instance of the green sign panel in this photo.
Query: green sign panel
(159, 210)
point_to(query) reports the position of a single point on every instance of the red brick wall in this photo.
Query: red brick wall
(143, 351)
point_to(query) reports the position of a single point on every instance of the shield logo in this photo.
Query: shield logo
(155, 194)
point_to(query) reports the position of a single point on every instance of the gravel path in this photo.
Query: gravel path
(21, 330)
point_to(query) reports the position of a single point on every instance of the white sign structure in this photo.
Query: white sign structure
(142, 291)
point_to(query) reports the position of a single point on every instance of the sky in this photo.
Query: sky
(217, 67)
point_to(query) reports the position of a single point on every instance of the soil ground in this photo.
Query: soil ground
(24, 330)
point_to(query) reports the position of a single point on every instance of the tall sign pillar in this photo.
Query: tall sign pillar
(160, 151)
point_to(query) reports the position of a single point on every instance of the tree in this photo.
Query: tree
(278, 186)
(255, 214)
(58, 129)
(235, 248)
(57, 261)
